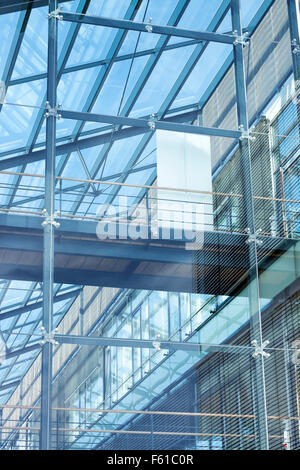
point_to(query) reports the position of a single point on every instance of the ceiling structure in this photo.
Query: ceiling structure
(100, 70)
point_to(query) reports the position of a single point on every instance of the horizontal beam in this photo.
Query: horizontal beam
(89, 142)
(91, 277)
(149, 344)
(161, 265)
(149, 28)
(80, 228)
(68, 246)
(34, 306)
(147, 124)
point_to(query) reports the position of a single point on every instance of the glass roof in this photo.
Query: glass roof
(102, 70)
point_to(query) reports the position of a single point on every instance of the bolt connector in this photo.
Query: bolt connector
(242, 40)
(50, 219)
(56, 14)
(253, 237)
(156, 344)
(149, 27)
(259, 350)
(52, 111)
(151, 122)
(246, 135)
(48, 337)
(295, 47)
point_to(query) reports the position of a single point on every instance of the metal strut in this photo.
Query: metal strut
(259, 350)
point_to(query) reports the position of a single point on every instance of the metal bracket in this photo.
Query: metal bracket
(259, 350)
(56, 14)
(48, 337)
(52, 111)
(149, 27)
(151, 123)
(295, 47)
(240, 39)
(50, 219)
(253, 237)
(246, 134)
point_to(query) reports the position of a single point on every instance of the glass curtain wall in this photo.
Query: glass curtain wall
(167, 343)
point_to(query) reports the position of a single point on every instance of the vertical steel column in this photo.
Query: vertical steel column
(254, 295)
(48, 251)
(294, 19)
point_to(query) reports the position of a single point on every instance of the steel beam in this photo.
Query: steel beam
(150, 344)
(146, 124)
(145, 27)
